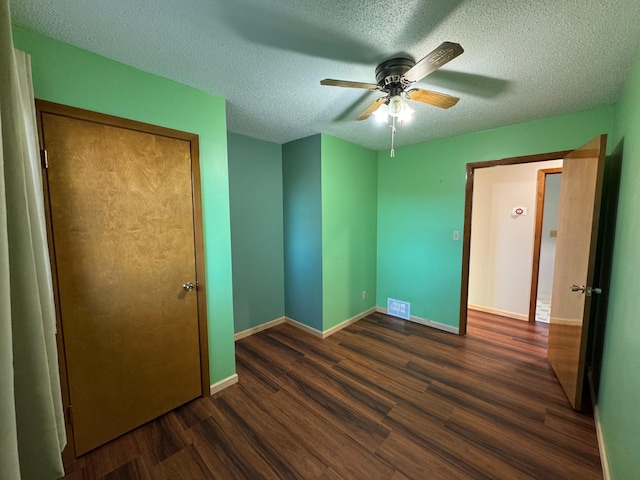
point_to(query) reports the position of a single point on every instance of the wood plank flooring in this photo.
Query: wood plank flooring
(382, 399)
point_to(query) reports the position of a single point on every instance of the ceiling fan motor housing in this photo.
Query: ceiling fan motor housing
(390, 75)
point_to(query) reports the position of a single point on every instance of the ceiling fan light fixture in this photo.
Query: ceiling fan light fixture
(399, 108)
(406, 113)
(382, 113)
(396, 105)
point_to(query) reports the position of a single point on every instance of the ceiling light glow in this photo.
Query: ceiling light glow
(395, 105)
(382, 113)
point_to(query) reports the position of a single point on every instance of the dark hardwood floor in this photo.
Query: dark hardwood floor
(381, 399)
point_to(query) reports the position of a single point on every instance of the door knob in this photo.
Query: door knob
(576, 288)
(188, 286)
(588, 290)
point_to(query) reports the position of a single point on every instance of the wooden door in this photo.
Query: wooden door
(122, 231)
(578, 221)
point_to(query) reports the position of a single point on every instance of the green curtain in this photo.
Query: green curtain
(32, 431)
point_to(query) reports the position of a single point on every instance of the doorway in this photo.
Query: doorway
(544, 244)
(502, 239)
(125, 233)
(472, 169)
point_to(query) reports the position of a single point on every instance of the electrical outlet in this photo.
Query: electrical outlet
(456, 235)
(364, 294)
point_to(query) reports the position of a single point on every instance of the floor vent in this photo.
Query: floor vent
(398, 308)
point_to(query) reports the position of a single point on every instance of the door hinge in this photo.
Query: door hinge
(69, 414)
(44, 157)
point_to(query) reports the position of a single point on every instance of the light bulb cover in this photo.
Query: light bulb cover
(406, 113)
(395, 105)
(382, 113)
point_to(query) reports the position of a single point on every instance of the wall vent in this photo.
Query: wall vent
(398, 308)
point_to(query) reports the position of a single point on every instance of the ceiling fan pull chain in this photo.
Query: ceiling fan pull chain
(393, 136)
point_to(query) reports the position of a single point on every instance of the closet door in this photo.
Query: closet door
(122, 231)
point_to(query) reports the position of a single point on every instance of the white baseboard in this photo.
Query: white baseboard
(259, 328)
(423, 321)
(497, 311)
(347, 322)
(224, 383)
(604, 460)
(332, 330)
(303, 327)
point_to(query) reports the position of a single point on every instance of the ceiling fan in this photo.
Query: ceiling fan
(395, 78)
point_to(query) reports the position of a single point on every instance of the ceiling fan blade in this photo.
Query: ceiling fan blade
(432, 98)
(345, 83)
(441, 55)
(371, 108)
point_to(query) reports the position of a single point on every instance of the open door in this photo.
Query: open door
(573, 289)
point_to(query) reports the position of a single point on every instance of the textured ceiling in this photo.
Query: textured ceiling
(523, 59)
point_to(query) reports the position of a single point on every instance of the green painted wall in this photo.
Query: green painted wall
(302, 215)
(349, 200)
(421, 203)
(255, 197)
(619, 394)
(71, 76)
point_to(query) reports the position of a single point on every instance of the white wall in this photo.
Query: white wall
(548, 243)
(501, 245)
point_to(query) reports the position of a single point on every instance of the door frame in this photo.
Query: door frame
(537, 237)
(42, 106)
(468, 207)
